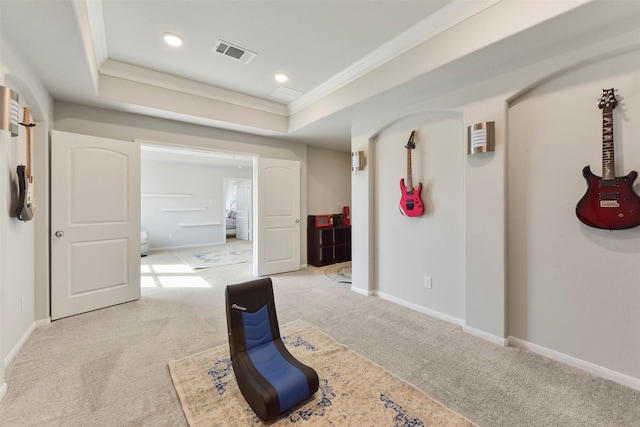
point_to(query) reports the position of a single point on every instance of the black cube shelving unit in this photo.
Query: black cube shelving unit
(327, 245)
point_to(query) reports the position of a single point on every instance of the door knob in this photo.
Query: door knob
(59, 233)
(297, 220)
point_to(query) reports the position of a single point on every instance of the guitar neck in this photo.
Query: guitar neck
(26, 122)
(409, 173)
(608, 154)
(28, 142)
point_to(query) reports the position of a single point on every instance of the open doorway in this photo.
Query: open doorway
(238, 208)
(184, 211)
(184, 204)
(183, 197)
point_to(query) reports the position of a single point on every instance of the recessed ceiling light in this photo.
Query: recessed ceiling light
(172, 39)
(282, 78)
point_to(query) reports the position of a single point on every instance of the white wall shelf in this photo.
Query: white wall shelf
(198, 224)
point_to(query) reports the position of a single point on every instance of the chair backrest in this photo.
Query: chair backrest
(251, 315)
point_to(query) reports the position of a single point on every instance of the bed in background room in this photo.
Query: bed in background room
(230, 222)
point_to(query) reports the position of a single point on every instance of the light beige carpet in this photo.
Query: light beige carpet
(233, 252)
(353, 390)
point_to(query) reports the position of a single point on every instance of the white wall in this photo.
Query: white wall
(204, 184)
(573, 288)
(329, 184)
(23, 248)
(539, 279)
(408, 249)
(17, 247)
(460, 241)
(5, 140)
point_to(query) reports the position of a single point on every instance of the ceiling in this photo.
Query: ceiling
(102, 52)
(309, 40)
(345, 58)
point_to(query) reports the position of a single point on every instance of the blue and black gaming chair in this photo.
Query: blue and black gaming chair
(269, 377)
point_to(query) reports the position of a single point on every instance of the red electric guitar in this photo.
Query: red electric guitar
(610, 202)
(410, 203)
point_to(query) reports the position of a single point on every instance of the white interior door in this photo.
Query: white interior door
(243, 204)
(277, 216)
(95, 223)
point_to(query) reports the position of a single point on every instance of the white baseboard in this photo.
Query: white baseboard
(3, 390)
(502, 342)
(14, 351)
(420, 309)
(600, 371)
(412, 306)
(576, 363)
(43, 322)
(362, 291)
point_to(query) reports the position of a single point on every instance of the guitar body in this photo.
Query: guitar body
(610, 205)
(410, 203)
(24, 212)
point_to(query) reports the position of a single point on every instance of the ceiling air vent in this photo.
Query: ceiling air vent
(286, 93)
(243, 55)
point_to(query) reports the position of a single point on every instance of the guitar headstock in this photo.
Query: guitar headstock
(26, 117)
(411, 145)
(608, 99)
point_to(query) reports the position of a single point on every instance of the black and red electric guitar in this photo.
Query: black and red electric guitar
(610, 202)
(25, 209)
(410, 203)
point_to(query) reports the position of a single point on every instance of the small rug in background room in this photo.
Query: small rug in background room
(340, 272)
(353, 390)
(233, 252)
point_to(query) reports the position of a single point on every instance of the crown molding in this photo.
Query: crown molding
(448, 16)
(153, 78)
(95, 19)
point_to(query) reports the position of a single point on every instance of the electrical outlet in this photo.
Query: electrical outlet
(427, 282)
(170, 236)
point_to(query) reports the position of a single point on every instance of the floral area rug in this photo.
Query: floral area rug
(233, 252)
(340, 272)
(353, 391)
